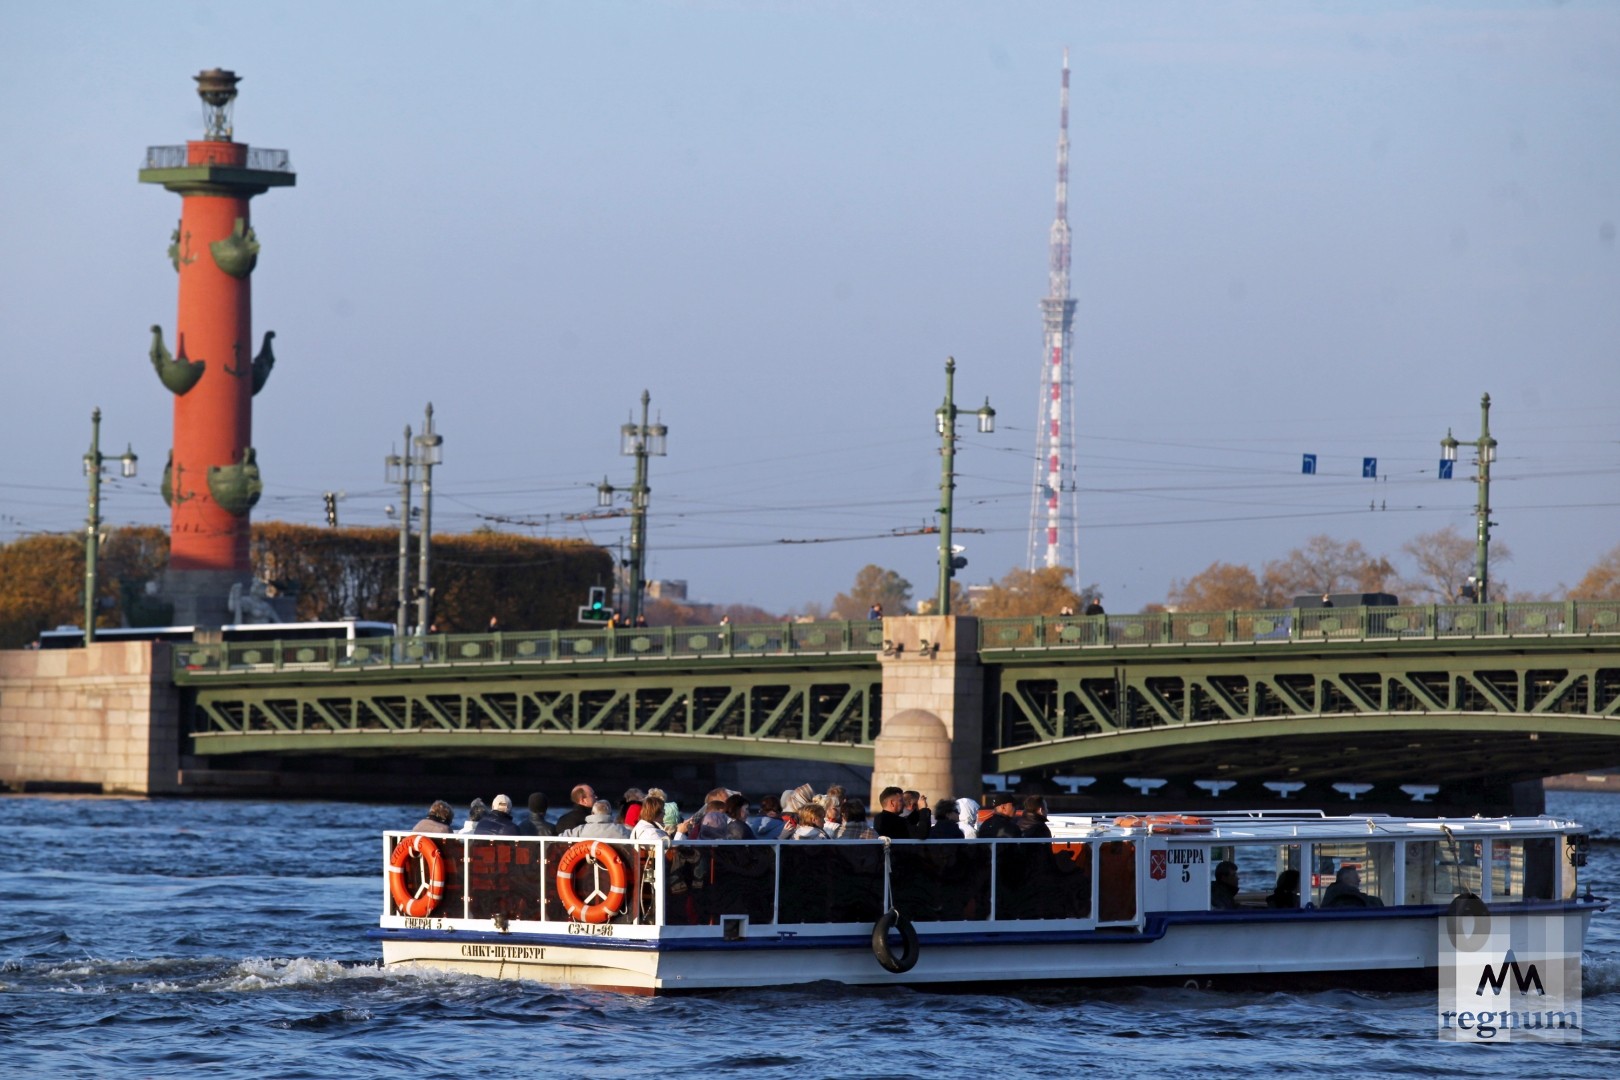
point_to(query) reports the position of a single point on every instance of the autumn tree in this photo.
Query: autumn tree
(42, 581)
(874, 585)
(1221, 586)
(1602, 581)
(1023, 592)
(661, 612)
(1324, 565)
(525, 582)
(1444, 560)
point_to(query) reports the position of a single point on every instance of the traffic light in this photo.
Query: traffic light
(331, 508)
(595, 609)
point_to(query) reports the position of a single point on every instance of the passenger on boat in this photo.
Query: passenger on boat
(583, 797)
(649, 826)
(1032, 823)
(812, 824)
(498, 822)
(709, 825)
(474, 812)
(855, 826)
(893, 822)
(630, 807)
(437, 820)
(599, 824)
(1346, 891)
(536, 824)
(947, 821)
(795, 799)
(834, 807)
(1223, 891)
(1002, 821)
(967, 818)
(1286, 894)
(737, 811)
(767, 824)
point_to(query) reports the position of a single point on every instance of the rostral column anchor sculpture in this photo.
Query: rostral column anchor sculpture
(212, 479)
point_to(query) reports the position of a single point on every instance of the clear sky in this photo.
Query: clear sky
(1320, 228)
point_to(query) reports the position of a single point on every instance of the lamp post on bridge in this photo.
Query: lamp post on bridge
(92, 530)
(1486, 448)
(401, 470)
(640, 441)
(945, 423)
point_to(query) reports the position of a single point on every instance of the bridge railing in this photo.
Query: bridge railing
(553, 646)
(1565, 618)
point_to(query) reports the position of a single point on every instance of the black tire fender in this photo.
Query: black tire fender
(894, 920)
(1472, 908)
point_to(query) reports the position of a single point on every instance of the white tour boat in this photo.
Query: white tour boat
(1130, 898)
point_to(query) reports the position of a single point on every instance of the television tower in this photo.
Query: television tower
(212, 480)
(1054, 528)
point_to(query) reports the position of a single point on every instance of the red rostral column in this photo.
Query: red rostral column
(212, 480)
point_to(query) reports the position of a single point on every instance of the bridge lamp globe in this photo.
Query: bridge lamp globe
(1448, 447)
(1487, 450)
(430, 449)
(942, 417)
(987, 418)
(657, 439)
(604, 493)
(127, 462)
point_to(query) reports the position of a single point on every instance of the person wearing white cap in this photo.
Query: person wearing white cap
(498, 822)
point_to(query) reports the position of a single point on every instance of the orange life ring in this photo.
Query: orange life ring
(1165, 823)
(431, 891)
(599, 907)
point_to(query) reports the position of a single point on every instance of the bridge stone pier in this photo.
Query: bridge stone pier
(933, 705)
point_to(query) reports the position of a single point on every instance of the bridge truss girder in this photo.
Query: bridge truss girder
(825, 715)
(1515, 716)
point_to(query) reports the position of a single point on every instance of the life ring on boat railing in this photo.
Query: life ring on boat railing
(1469, 906)
(894, 920)
(598, 906)
(431, 891)
(1165, 823)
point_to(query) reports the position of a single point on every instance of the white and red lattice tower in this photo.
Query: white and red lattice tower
(1054, 528)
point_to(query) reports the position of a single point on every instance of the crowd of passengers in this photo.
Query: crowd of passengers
(832, 882)
(797, 814)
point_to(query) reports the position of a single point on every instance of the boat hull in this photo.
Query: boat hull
(1387, 949)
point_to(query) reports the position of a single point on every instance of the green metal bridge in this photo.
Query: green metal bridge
(1504, 691)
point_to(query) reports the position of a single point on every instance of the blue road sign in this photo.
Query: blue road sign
(1369, 468)
(1308, 465)
(1445, 469)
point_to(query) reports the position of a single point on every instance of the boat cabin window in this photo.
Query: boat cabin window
(1437, 871)
(1268, 874)
(1524, 869)
(1374, 863)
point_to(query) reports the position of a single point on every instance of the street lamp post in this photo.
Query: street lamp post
(399, 472)
(640, 441)
(1486, 448)
(429, 453)
(92, 530)
(945, 421)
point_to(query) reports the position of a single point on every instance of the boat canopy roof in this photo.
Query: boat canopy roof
(1235, 825)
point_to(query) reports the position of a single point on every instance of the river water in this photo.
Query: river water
(223, 938)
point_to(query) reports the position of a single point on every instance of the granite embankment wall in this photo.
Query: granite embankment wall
(101, 719)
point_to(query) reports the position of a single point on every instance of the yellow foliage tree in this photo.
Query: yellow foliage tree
(1602, 581)
(1022, 593)
(1220, 586)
